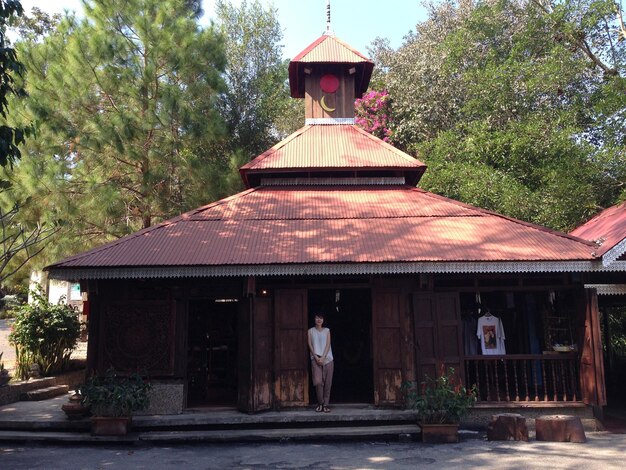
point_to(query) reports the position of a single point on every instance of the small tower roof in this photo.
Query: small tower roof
(329, 49)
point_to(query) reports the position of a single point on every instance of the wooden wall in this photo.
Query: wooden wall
(342, 100)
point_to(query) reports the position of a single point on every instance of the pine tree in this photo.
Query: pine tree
(124, 104)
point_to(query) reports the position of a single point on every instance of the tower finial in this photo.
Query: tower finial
(329, 31)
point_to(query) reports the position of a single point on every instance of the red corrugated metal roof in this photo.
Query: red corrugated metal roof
(270, 225)
(608, 227)
(332, 147)
(329, 49)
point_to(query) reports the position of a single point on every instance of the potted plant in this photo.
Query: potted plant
(440, 404)
(112, 400)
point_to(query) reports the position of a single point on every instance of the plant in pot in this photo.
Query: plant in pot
(440, 404)
(112, 400)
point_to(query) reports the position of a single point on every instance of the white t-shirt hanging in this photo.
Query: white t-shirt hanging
(490, 332)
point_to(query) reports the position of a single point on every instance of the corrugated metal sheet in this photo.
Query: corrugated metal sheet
(329, 48)
(340, 225)
(276, 203)
(339, 146)
(608, 227)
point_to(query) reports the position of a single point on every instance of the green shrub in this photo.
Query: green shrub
(45, 334)
(441, 400)
(115, 395)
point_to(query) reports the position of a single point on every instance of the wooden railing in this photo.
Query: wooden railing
(526, 378)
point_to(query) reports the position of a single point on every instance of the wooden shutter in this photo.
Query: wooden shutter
(262, 332)
(291, 352)
(438, 333)
(591, 360)
(255, 357)
(387, 312)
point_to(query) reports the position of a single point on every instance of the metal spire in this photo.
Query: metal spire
(329, 31)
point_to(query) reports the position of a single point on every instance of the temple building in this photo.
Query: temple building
(214, 305)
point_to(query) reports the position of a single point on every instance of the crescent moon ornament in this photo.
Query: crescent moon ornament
(324, 106)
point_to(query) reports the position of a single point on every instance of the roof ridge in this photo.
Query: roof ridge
(350, 48)
(380, 141)
(308, 49)
(540, 228)
(602, 214)
(276, 147)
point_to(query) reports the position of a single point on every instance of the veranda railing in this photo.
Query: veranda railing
(527, 377)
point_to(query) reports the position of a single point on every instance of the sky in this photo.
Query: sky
(357, 22)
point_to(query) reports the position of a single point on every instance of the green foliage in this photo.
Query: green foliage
(617, 326)
(508, 110)
(441, 400)
(124, 103)
(45, 334)
(257, 94)
(10, 68)
(115, 395)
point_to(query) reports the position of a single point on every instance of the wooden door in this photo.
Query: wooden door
(387, 312)
(262, 347)
(438, 333)
(291, 351)
(591, 359)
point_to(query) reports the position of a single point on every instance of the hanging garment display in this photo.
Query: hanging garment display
(490, 332)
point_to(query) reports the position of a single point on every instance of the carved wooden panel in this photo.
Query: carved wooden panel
(138, 336)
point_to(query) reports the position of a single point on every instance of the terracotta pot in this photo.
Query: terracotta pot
(74, 409)
(440, 433)
(110, 426)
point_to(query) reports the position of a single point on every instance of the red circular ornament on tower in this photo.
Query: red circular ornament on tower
(329, 83)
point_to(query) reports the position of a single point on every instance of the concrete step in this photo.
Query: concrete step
(44, 393)
(388, 433)
(403, 433)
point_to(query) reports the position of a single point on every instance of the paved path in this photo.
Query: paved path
(602, 451)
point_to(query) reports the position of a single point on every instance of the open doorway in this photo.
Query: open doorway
(349, 317)
(212, 353)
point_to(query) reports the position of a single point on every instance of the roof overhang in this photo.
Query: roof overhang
(608, 289)
(614, 253)
(321, 269)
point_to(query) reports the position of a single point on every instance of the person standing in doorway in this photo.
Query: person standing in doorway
(322, 364)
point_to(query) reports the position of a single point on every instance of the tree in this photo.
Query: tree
(19, 243)
(10, 137)
(501, 108)
(124, 102)
(257, 95)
